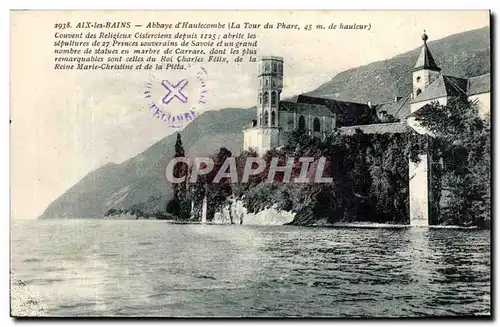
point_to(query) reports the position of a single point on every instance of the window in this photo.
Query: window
(302, 123)
(316, 125)
(266, 66)
(267, 82)
(273, 118)
(273, 98)
(418, 91)
(266, 98)
(418, 79)
(266, 118)
(274, 66)
(260, 98)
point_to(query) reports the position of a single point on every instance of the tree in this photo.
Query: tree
(177, 205)
(219, 193)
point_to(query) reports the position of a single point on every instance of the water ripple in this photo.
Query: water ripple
(148, 268)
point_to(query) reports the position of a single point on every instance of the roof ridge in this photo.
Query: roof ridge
(309, 96)
(478, 76)
(446, 75)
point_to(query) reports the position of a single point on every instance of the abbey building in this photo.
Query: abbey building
(320, 116)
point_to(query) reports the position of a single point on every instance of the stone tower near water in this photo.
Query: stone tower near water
(423, 202)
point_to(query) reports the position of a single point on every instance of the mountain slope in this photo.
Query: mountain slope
(139, 180)
(461, 55)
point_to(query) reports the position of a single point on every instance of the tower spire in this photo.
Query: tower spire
(425, 59)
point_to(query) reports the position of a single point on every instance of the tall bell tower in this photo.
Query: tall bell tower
(270, 76)
(264, 133)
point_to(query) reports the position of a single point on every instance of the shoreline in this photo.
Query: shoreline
(395, 226)
(367, 225)
(315, 225)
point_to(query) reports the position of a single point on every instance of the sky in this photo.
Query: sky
(67, 123)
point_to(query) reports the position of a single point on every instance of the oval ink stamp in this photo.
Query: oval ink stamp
(177, 97)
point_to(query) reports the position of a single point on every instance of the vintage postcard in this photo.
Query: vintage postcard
(250, 164)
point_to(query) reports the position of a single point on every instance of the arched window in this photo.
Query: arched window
(266, 118)
(266, 98)
(302, 123)
(418, 91)
(316, 125)
(260, 98)
(273, 98)
(267, 82)
(274, 66)
(418, 79)
(273, 118)
(266, 66)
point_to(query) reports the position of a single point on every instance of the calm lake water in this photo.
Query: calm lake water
(152, 268)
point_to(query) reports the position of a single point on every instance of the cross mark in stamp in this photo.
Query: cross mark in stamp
(174, 91)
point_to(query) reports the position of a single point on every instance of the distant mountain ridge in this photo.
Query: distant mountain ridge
(462, 55)
(139, 181)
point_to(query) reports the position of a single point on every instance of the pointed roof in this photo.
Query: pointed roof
(425, 60)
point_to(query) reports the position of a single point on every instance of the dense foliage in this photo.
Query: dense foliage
(179, 204)
(370, 180)
(370, 177)
(462, 146)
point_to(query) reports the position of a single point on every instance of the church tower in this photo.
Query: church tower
(425, 71)
(265, 135)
